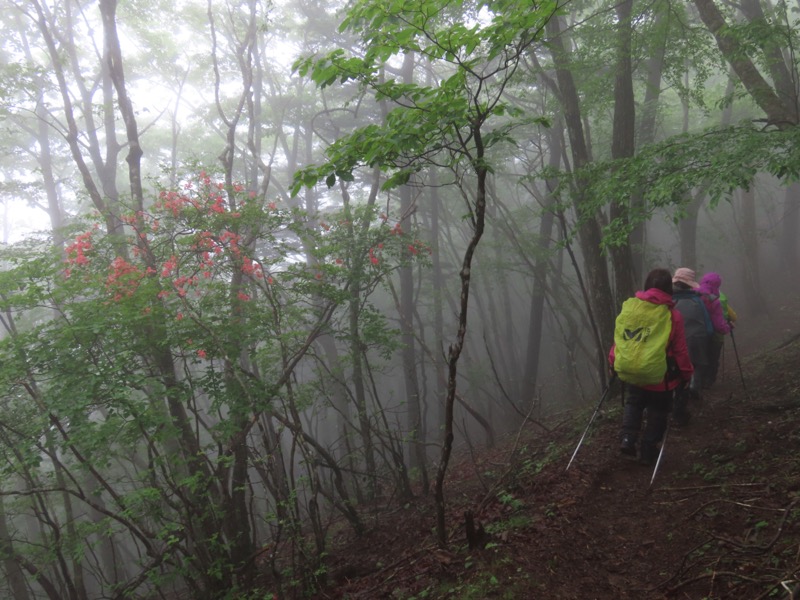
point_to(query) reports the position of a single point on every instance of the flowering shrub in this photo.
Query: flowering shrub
(221, 269)
(171, 339)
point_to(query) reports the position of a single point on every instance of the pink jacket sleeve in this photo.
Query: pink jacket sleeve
(714, 307)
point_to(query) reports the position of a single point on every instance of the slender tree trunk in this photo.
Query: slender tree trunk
(338, 394)
(437, 278)
(654, 67)
(688, 230)
(416, 443)
(536, 312)
(601, 310)
(73, 132)
(493, 304)
(12, 567)
(115, 570)
(646, 132)
(108, 10)
(478, 222)
(48, 179)
(754, 298)
(790, 229)
(622, 146)
(362, 410)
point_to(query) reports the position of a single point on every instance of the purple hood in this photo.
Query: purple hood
(710, 283)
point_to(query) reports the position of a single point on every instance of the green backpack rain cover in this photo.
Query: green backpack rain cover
(641, 334)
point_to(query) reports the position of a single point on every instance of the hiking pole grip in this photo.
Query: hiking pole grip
(591, 420)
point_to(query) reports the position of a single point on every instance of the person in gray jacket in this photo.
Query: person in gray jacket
(698, 328)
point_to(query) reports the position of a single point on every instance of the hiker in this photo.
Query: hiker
(650, 356)
(722, 318)
(699, 328)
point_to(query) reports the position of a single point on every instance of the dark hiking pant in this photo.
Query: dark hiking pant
(651, 407)
(699, 347)
(680, 406)
(714, 353)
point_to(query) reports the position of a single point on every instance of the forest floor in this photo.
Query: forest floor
(720, 520)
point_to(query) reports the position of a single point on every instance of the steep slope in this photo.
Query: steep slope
(721, 519)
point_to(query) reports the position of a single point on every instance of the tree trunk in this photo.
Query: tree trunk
(454, 352)
(210, 523)
(790, 229)
(687, 229)
(601, 309)
(777, 113)
(338, 394)
(416, 443)
(48, 177)
(622, 146)
(646, 132)
(536, 312)
(754, 297)
(112, 220)
(783, 78)
(108, 10)
(13, 569)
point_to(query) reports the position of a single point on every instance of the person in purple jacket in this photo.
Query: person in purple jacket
(709, 290)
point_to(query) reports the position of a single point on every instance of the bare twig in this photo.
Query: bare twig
(724, 501)
(710, 487)
(761, 549)
(681, 566)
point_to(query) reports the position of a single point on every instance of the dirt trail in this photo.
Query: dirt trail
(721, 520)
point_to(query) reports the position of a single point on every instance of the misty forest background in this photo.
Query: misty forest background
(268, 264)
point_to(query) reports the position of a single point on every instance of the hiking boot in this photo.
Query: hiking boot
(648, 455)
(628, 445)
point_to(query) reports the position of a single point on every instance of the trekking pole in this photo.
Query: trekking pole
(739, 364)
(594, 414)
(660, 453)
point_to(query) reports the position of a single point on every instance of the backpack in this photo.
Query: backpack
(696, 319)
(641, 335)
(726, 311)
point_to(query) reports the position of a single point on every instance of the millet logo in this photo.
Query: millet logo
(637, 335)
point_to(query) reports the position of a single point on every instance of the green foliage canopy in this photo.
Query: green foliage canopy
(472, 51)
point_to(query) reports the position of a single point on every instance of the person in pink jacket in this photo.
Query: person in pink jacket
(656, 400)
(709, 290)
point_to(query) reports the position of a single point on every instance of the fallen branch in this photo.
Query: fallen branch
(761, 549)
(725, 501)
(680, 567)
(709, 487)
(716, 575)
